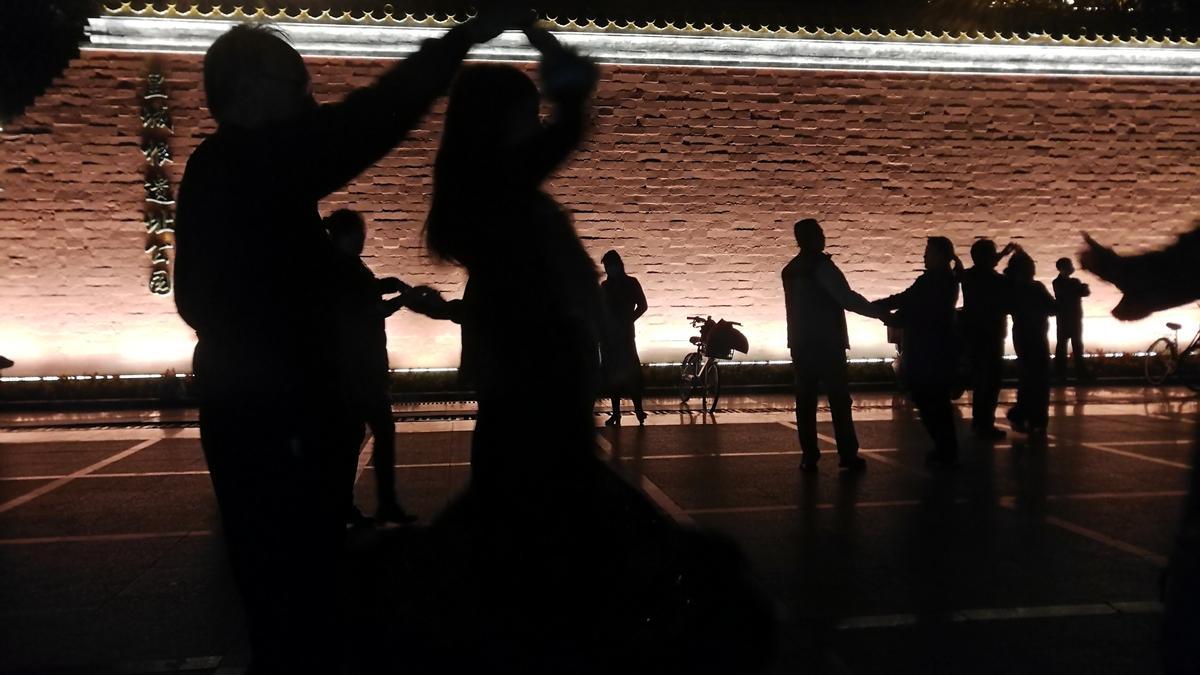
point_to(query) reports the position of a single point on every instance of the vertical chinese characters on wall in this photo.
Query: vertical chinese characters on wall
(159, 208)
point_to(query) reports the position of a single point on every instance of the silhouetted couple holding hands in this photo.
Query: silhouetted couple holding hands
(548, 562)
(817, 297)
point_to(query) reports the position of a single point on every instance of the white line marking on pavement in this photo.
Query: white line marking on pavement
(1004, 614)
(54, 485)
(1135, 455)
(1103, 447)
(1157, 559)
(69, 435)
(104, 538)
(655, 494)
(1099, 537)
(775, 508)
(801, 507)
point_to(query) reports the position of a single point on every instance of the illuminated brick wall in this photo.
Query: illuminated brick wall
(695, 175)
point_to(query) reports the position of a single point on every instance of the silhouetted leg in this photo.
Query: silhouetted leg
(1077, 353)
(988, 375)
(838, 391)
(383, 456)
(280, 492)
(616, 406)
(806, 407)
(937, 415)
(1060, 353)
(1037, 408)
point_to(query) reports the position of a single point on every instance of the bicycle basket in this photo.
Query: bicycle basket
(723, 339)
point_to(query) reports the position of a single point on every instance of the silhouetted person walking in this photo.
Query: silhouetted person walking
(624, 304)
(817, 296)
(1031, 307)
(926, 312)
(363, 363)
(1151, 282)
(254, 278)
(1069, 293)
(985, 325)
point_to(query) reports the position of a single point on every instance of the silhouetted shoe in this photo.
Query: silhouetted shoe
(854, 464)
(808, 465)
(641, 417)
(613, 421)
(355, 519)
(392, 515)
(990, 433)
(941, 460)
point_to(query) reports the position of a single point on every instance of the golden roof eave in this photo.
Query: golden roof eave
(326, 17)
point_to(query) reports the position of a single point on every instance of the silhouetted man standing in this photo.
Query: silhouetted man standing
(1069, 293)
(254, 278)
(817, 296)
(985, 325)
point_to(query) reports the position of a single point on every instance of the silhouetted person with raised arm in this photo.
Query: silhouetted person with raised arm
(1069, 293)
(816, 296)
(547, 544)
(254, 278)
(363, 363)
(1151, 282)
(1031, 307)
(624, 304)
(985, 325)
(925, 311)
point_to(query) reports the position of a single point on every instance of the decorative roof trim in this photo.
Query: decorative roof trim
(240, 15)
(368, 37)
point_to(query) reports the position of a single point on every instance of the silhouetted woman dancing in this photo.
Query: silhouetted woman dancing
(549, 562)
(625, 303)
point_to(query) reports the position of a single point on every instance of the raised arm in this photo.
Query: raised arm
(568, 80)
(338, 141)
(1150, 281)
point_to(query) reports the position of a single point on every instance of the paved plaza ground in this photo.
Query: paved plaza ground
(1027, 559)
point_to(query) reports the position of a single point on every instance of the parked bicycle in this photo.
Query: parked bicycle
(1165, 360)
(699, 373)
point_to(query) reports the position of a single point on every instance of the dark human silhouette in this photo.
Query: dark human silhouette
(255, 279)
(925, 310)
(1151, 282)
(624, 304)
(548, 562)
(1031, 306)
(1069, 293)
(363, 363)
(817, 296)
(985, 326)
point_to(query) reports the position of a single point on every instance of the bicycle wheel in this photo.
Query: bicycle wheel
(712, 386)
(688, 372)
(1160, 361)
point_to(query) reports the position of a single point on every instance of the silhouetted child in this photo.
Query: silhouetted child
(1069, 293)
(1031, 307)
(625, 303)
(926, 312)
(363, 361)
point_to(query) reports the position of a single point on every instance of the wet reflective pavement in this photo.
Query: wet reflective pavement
(1029, 558)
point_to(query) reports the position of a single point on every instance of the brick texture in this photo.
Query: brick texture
(694, 175)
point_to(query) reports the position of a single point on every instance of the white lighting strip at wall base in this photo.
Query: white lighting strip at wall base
(407, 371)
(173, 35)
